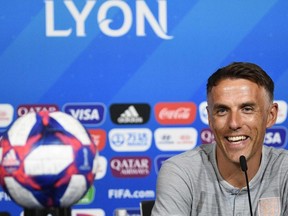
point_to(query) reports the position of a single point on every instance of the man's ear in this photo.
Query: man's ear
(208, 115)
(272, 116)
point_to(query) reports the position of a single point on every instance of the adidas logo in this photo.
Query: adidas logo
(130, 115)
(10, 159)
(138, 113)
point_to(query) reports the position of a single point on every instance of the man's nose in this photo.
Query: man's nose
(235, 121)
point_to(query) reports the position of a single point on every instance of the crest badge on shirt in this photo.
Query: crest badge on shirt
(269, 206)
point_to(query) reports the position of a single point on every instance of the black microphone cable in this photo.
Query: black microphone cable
(244, 168)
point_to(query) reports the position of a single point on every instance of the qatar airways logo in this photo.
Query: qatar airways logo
(24, 109)
(207, 136)
(104, 14)
(130, 166)
(175, 113)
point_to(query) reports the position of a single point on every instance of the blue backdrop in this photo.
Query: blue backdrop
(134, 73)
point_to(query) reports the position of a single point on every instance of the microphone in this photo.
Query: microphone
(244, 168)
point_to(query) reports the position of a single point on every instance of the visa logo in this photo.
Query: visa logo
(275, 137)
(86, 113)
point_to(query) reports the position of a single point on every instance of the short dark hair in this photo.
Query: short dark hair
(242, 70)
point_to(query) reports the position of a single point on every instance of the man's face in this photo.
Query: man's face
(239, 112)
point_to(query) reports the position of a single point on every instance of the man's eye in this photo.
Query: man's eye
(248, 109)
(221, 111)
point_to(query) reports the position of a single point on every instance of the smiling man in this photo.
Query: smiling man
(208, 180)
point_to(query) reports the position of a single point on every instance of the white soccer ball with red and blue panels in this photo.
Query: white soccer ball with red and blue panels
(47, 160)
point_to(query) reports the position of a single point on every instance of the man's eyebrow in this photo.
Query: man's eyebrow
(223, 106)
(252, 104)
(220, 106)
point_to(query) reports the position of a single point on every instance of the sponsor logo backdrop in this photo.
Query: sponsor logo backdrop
(134, 74)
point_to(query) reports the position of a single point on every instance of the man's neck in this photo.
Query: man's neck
(232, 173)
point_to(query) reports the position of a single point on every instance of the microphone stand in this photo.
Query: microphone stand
(244, 168)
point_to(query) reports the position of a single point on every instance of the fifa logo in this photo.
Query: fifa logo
(105, 18)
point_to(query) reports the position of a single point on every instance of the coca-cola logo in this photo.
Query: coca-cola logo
(175, 113)
(179, 113)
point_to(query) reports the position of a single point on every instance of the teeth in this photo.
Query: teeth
(236, 138)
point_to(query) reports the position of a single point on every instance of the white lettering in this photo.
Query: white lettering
(35, 109)
(271, 138)
(104, 23)
(180, 113)
(127, 194)
(104, 18)
(4, 196)
(80, 18)
(143, 11)
(50, 22)
(129, 164)
(85, 114)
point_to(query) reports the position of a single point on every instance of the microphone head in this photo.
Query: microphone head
(243, 163)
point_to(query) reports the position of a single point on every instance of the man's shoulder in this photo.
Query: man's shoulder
(199, 153)
(277, 151)
(276, 154)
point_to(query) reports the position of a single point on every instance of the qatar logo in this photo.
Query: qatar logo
(36, 108)
(105, 14)
(175, 113)
(207, 136)
(130, 166)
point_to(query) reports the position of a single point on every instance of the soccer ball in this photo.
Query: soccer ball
(47, 160)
